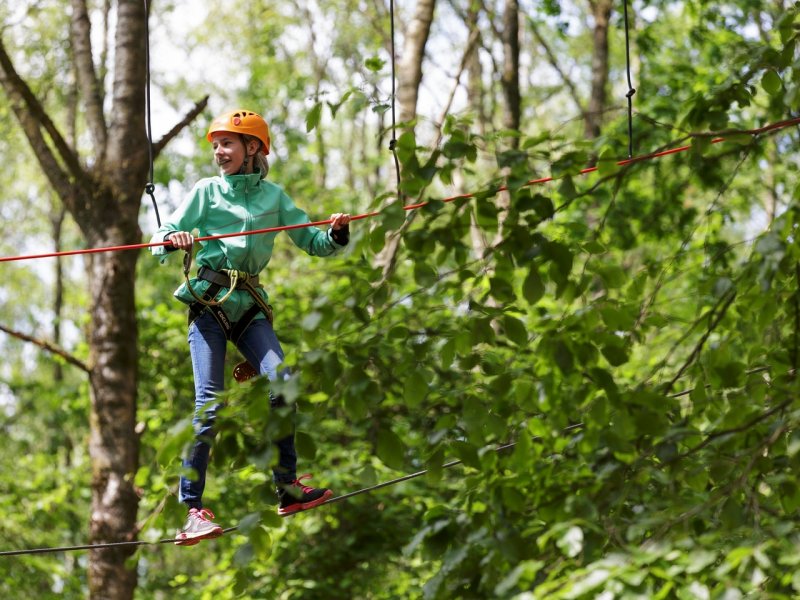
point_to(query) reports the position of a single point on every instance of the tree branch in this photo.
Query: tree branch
(88, 83)
(190, 116)
(33, 118)
(720, 311)
(49, 347)
(725, 432)
(551, 57)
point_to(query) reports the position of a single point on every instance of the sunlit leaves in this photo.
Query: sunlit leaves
(771, 82)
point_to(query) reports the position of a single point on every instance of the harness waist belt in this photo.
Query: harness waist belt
(223, 279)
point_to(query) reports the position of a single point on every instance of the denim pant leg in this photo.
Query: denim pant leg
(260, 346)
(207, 345)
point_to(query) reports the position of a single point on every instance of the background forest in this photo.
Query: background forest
(634, 331)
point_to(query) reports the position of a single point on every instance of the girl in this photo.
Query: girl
(226, 300)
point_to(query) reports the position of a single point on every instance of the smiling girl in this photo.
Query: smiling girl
(226, 300)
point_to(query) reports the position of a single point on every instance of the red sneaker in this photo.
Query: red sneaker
(295, 496)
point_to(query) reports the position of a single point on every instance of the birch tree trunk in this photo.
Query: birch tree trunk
(409, 70)
(601, 14)
(409, 78)
(512, 98)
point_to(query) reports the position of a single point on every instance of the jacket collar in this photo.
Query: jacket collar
(243, 182)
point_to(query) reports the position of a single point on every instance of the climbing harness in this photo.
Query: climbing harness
(233, 280)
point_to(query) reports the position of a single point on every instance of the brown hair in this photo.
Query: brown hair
(260, 161)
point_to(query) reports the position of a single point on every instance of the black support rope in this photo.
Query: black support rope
(393, 141)
(150, 187)
(631, 90)
(347, 496)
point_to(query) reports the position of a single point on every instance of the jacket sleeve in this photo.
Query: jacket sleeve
(186, 218)
(312, 240)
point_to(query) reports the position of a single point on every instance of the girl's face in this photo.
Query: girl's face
(229, 152)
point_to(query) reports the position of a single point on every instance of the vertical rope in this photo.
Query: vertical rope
(393, 141)
(631, 90)
(149, 188)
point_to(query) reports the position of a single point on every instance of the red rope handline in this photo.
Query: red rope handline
(621, 163)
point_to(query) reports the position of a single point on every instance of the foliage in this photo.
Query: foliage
(632, 331)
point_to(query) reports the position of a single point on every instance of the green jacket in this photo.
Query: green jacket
(234, 204)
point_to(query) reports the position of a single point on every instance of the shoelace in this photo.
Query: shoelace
(306, 489)
(203, 514)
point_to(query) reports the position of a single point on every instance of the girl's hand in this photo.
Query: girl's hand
(339, 220)
(182, 240)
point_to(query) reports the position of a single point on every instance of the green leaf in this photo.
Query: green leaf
(607, 163)
(701, 144)
(377, 238)
(447, 354)
(567, 188)
(406, 147)
(249, 522)
(561, 256)
(306, 448)
(563, 357)
(391, 449)
(374, 64)
(392, 217)
(313, 117)
(771, 82)
(698, 396)
(612, 275)
(785, 25)
(415, 389)
(515, 330)
(615, 354)
(424, 275)
(594, 247)
(434, 466)
(467, 453)
(261, 542)
(533, 286)
(355, 405)
(618, 318)
(244, 555)
(501, 289)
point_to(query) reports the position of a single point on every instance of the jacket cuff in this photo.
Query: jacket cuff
(341, 236)
(168, 247)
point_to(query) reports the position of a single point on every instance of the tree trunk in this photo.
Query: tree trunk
(113, 443)
(409, 77)
(512, 97)
(475, 87)
(409, 70)
(601, 13)
(510, 79)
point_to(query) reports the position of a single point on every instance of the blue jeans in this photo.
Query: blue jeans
(207, 345)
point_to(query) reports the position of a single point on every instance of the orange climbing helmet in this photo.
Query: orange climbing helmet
(242, 121)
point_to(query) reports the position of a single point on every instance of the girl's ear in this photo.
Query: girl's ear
(253, 146)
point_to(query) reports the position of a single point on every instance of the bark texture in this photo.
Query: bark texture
(601, 14)
(511, 93)
(409, 70)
